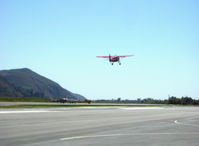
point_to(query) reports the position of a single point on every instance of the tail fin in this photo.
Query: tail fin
(110, 57)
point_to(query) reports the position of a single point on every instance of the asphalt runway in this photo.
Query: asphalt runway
(101, 126)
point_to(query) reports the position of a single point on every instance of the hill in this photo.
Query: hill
(26, 83)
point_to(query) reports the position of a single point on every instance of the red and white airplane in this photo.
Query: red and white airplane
(115, 58)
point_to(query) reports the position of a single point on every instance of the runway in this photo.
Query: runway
(100, 126)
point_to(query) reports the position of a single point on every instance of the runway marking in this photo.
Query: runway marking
(140, 108)
(16, 112)
(180, 123)
(127, 134)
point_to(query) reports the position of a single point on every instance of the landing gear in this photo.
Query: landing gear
(119, 62)
(111, 63)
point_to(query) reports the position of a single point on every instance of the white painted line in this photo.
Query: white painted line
(93, 107)
(16, 112)
(140, 108)
(180, 123)
(127, 134)
(176, 121)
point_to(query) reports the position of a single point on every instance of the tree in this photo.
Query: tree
(186, 100)
(174, 100)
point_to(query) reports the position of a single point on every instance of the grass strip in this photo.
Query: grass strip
(69, 106)
(24, 99)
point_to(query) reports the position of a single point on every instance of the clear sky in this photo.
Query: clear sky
(60, 40)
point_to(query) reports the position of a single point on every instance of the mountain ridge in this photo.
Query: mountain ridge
(27, 83)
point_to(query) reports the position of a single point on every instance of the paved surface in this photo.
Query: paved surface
(169, 126)
(58, 103)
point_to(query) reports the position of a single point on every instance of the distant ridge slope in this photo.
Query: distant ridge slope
(26, 83)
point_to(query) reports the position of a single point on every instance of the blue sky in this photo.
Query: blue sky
(59, 39)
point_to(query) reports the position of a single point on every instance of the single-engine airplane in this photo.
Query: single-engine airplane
(115, 58)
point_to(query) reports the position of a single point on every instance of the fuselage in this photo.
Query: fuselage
(114, 59)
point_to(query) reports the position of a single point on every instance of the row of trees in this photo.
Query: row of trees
(170, 100)
(183, 101)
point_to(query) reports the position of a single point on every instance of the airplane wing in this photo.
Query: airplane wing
(102, 56)
(122, 56)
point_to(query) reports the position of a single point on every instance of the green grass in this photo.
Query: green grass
(68, 106)
(24, 99)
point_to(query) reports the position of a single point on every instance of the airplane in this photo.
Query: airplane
(115, 58)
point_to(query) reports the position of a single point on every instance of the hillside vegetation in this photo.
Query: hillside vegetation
(26, 83)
